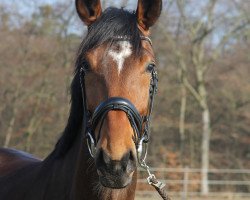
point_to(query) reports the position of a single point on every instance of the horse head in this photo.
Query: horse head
(116, 66)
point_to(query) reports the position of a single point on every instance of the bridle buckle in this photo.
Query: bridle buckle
(91, 144)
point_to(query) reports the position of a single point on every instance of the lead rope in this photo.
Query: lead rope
(159, 186)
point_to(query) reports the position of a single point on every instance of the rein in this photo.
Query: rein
(140, 124)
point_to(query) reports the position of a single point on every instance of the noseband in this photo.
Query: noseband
(140, 124)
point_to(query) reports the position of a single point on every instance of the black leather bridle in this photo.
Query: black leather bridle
(140, 124)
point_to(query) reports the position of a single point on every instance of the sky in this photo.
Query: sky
(27, 7)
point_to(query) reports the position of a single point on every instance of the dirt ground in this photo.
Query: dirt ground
(191, 198)
(212, 197)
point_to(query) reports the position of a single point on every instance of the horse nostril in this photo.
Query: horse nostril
(131, 156)
(129, 162)
(102, 160)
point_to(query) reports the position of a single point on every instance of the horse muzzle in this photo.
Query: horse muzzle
(113, 173)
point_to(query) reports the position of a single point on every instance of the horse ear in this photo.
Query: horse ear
(148, 11)
(88, 10)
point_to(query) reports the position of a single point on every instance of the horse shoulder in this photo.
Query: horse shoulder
(12, 160)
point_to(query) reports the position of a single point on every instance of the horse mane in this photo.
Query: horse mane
(112, 23)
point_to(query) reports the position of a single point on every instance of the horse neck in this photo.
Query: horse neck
(86, 182)
(56, 174)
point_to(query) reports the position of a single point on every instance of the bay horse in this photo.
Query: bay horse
(111, 103)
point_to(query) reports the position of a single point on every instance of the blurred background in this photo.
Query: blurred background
(200, 142)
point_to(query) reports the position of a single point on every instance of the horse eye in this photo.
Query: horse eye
(150, 67)
(86, 66)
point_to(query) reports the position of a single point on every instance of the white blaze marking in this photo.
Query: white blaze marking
(119, 57)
